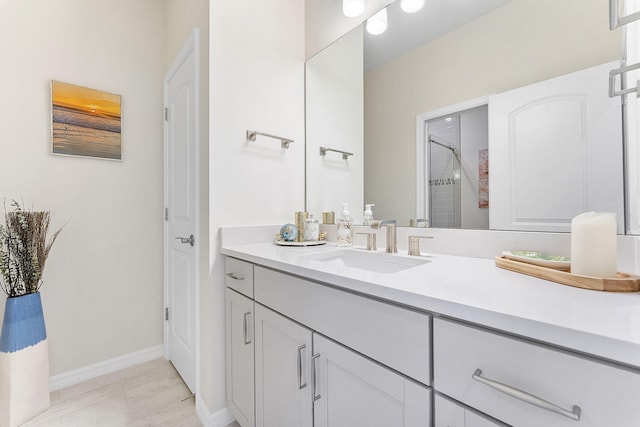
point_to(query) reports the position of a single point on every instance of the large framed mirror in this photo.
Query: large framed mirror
(422, 107)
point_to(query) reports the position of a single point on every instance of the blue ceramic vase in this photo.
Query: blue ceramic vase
(24, 361)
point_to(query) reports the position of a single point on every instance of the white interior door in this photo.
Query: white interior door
(181, 198)
(555, 151)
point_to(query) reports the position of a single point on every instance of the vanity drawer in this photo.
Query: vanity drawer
(394, 336)
(239, 276)
(606, 395)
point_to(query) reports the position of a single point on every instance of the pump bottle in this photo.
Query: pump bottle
(345, 227)
(367, 216)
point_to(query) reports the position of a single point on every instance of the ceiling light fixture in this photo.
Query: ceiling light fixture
(377, 24)
(352, 8)
(411, 6)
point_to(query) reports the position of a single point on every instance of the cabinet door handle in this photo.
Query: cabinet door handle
(245, 328)
(235, 276)
(526, 397)
(315, 378)
(300, 384)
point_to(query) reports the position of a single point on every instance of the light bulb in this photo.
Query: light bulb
(352, 8)
(377, 24)
(411, 6)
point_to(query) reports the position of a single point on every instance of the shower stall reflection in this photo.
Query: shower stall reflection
(456, 149)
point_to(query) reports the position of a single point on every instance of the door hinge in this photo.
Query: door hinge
(166, 214)
(166, 114)
(166, 313)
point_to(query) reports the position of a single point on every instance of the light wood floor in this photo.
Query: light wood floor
(150, 394)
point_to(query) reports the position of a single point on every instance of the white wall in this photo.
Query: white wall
(335, 119)
(102, 294)
(256, 83)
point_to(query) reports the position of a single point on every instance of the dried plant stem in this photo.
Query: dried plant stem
(24, 250)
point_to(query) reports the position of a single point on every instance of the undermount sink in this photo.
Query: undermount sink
(378, 262)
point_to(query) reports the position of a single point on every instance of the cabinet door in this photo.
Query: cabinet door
(450, 414)
(283, 358)
(350, 390)
(239, 348)
(474, 420)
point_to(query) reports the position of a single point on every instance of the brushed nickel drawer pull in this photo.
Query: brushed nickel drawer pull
(526, 397)
(315, 378)
(235, 276)
(245, 328)
(300, 384)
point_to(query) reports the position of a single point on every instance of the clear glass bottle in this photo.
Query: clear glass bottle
(311, 229)
(345, 227)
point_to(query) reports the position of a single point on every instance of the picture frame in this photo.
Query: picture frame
(85, 122)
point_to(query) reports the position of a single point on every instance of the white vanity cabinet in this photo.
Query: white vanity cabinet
(326, 357)
(329, 386)
(394, 336)
(239, 340)
(529, 385)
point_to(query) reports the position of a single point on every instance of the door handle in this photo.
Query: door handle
(190, 240)
(301, 385)
(316, 394)
(245, 328)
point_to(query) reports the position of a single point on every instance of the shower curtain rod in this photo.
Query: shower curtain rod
(450, 147)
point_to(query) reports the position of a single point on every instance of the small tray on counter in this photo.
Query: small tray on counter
(539, 258)
(623, 282)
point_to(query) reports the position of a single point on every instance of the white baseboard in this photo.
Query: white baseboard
(222, 418)
(77, 376)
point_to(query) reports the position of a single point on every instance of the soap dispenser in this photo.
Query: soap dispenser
(367, 216)
(345, 227)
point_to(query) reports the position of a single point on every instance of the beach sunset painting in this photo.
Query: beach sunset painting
(85, 122)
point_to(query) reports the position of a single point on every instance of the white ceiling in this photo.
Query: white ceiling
(406, 31)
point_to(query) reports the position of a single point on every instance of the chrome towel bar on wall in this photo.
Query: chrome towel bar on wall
(345, 154)
(284, 142)
(615, 20)
(612, 81)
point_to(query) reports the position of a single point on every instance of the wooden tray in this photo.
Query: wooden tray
(623, 282)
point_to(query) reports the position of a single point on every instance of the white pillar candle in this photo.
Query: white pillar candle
(593, 244)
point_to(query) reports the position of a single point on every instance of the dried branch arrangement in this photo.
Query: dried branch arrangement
(23, 250)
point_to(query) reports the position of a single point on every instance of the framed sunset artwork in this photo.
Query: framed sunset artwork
(85, 122)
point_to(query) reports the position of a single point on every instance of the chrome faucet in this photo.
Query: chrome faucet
(392, 242)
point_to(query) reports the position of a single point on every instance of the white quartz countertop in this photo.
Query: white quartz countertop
(603, 324)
